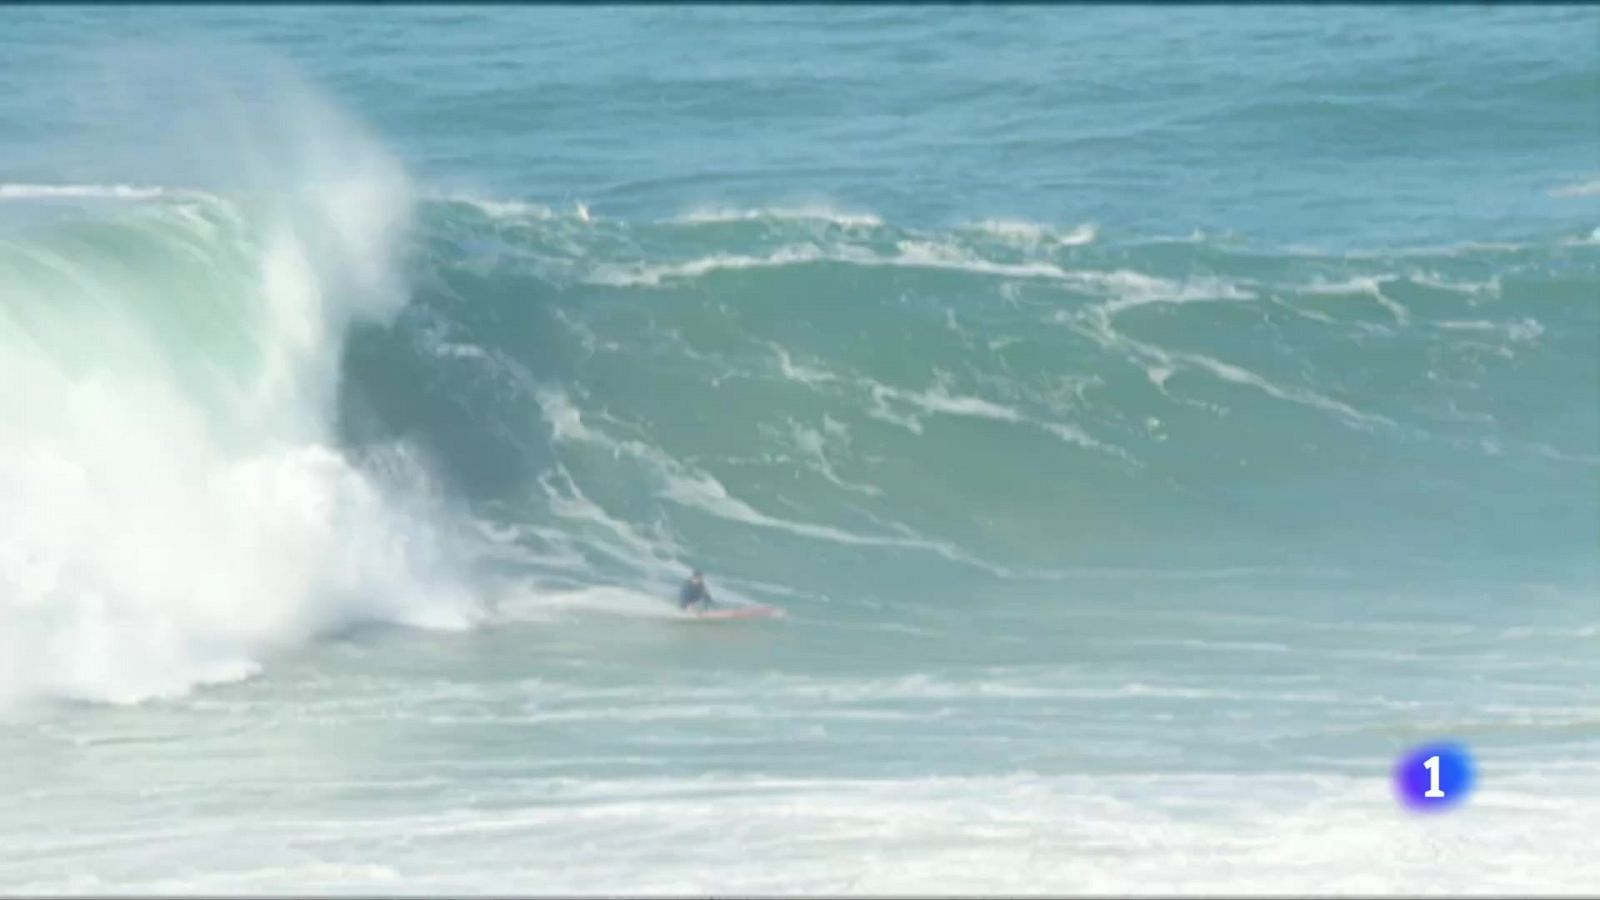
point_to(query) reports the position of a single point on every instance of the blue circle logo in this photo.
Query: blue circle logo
(1434, 777)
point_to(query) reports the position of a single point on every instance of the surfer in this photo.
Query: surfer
(693, 592)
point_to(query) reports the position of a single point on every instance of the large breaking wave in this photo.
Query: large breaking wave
(175, 501)
(237, 419)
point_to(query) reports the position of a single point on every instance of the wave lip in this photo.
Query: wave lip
(803, 213)
(87, 192)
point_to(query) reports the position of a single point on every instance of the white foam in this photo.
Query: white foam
(912, 254)
(693, 488)
(1160, 365)
(816, 446)
(1303, 396)
(1549, 452)
(458, 350)
(1490, 287)
(171, 505)
(803, 213)
(1013, 833)
(1022, 231)
(1012, 229)
(1369, 286)
(1134, 289)
(881, 409)
(798, 372)
(925, 254)
(611, 600)
(1590, 188)
(938, 400)
(505, 209)
(1075, 435)
(1525, 331)
(1592, 238)
(654, 556)
(654, 275)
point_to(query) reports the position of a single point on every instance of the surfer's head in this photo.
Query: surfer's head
(698, 575)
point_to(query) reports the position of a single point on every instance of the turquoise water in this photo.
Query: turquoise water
(1153, 422)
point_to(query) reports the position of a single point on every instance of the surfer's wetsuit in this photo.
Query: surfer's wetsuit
(693, 592)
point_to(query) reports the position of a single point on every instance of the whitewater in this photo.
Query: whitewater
(1146, 451)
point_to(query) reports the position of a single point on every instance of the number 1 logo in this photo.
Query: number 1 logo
(1432, 765)
(1434, 777)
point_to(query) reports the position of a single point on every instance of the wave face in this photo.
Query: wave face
(796, 398)
(829, 399)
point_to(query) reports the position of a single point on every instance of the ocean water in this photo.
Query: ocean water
(1153, 421)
